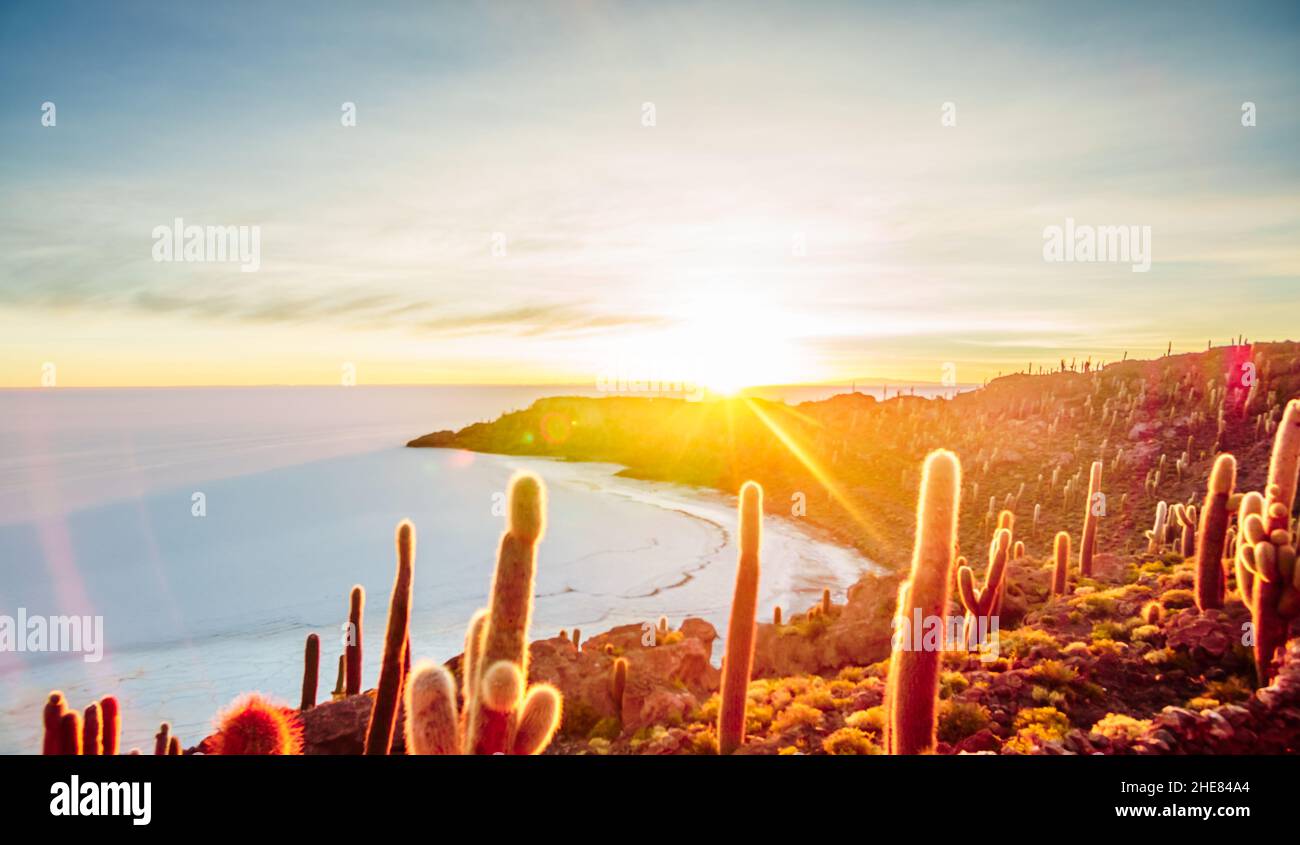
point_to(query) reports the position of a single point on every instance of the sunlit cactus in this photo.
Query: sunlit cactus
(912, 690)
(310, 672)
(1156, 536)
(174, 746)
(1284, 464)
(618, 684)
(70, 734)
(52, 717)
(160, 739)
(982, 603)
(252, 725)
(432, 723)
(383, 714)
(826, 601)
(340, 682)
(1061, 551)
(111, 718)
(352, 649)
(92, 739)
(502, 715)
(1213, 531)
(738, 662)
(1088, 545)
(577, 638)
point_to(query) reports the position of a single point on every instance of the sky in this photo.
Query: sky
(796, 211)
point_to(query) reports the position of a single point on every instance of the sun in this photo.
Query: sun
(727, 344)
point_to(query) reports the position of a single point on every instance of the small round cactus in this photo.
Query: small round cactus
(254, 725)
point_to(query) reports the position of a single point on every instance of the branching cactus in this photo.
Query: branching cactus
(383, 715)
(982, 603)
(738, 662)
(1088, 545)
(352, 649)
(502, 714)
(912, 691)
(1213, 532)
(310, 672)
(112, 724)
(1060, 576)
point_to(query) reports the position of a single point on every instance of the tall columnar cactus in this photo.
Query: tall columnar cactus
(112, 724)
(70, 733)
(1090, 516)
(618, 685)
(352, 649)
(776, 616)
(981, 604)
(92, 738)
(379, 734)
(340, 682)
(912, 691)
(1187, 536)
(310, 672)
(160, 739)
(174, 747)
(55, 707)
(1156, 536)
(1213, 533)
(1061, 549)
(742, 627)
(826, 602)
(502, 714)
(1284, 465)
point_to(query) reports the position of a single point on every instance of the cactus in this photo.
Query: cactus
(310, 672)
(738, 662)
(618, 685)
(577, 638)
(1156, 536)
(340, 683)
(1018, 551)
(501, 714)
(356, 610)
(912, 690)
(160, 740)
(92, 738)
(980, 604)
(379, 734)
(70, 733)
(55, 707)
(662, 628)
(1213, 533)
(1187, 536)
(826, 602)
(254, 725)
(1088, 545)
(111, 718)
(1284, 463)
(174, 746)
(776, 616)
(1061, 549)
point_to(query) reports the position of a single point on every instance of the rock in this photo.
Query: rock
(339, 727)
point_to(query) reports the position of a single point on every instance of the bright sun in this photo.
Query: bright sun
(730, 344)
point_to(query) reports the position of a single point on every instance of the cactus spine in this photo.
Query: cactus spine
(310, 672)
(383, 715)
(912, 691)
(112, 724)
(741, 627)
(1089, 543)
(356, 610)
(1061, 548)
(1213, 533)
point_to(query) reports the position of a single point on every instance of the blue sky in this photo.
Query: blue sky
(665, 247)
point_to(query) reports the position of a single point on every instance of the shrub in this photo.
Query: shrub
(1054, 672)
(849, 741)
(1178, 599)
(797, 715)
(1045, 722)
(952, 683)
(871, 720)
(960, 719)
(1117, 726)
(1020, 642)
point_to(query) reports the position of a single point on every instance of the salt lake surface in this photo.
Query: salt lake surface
(302, 489)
